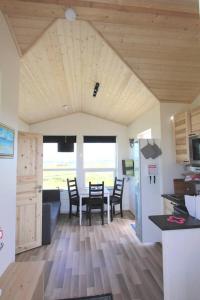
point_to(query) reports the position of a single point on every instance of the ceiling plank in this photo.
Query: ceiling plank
(160, 54)
(121, 58)
(11, 29)
(56, 9)
(183, 8)
(158, 40)
(30, 9)
(62, 69)
(27, 31)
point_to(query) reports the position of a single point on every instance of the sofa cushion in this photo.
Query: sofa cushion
(55, 210)
(50, 212)
(50, 195)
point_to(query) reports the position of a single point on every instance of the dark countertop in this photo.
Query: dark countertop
(162, 222)
(179, 199)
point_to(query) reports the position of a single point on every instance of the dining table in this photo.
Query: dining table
(84, 193)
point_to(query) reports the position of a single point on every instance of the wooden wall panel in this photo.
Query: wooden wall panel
(181, 134)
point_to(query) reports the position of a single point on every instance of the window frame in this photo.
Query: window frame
(100, 170)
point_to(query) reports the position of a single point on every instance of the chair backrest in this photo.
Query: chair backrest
(96, 190)
(118, 188)
(72, 189)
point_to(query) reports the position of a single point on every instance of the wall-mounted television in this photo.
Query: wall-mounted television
(128, 167)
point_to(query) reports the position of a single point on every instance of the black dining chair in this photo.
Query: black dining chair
(74, 196)
(96, 200)
(116, 197)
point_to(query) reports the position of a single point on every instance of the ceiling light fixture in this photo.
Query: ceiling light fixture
(96, 88)
(70, 14)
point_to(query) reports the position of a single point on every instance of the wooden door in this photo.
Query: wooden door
(29, 188)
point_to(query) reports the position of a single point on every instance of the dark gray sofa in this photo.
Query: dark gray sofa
(50, 212)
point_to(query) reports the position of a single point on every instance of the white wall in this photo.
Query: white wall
(22, 126)
(158, 119)
(9, 70)
(81, 124)
(150, 119)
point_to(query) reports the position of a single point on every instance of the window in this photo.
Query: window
(99, 162)
(145, 134)
(57, 166)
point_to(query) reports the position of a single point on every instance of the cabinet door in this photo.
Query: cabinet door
(168, 207)
(195, 120)
(181, 135)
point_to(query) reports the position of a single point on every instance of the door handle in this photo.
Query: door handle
(39, 188)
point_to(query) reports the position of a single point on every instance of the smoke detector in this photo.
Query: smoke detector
(70, 14)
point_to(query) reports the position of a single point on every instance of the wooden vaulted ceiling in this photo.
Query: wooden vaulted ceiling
(158, 41)
(63, 68)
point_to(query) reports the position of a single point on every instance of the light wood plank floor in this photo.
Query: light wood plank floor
(99, 259)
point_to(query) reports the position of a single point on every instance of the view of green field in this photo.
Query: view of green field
(98, 177)
(58, 178)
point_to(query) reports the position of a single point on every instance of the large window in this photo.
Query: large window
(99, 162)
(57, 166)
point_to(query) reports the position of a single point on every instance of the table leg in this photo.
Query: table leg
(108, 207)
(80, 210)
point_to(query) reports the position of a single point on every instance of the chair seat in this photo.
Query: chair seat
(75, 201)
(93, 203)
(113, 199)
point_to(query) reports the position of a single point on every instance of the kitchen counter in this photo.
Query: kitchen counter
(181, 260)
(162, 222)
(178, 199)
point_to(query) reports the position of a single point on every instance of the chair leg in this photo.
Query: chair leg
(121, 210)
(70, 211)
(102, 214)
(113, 209)
(111, 212)
(77, 210)
(90, 217)
(87, 212)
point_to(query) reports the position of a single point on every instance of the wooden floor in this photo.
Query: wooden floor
(99, 259)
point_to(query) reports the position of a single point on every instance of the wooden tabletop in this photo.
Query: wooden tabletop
(20, 280)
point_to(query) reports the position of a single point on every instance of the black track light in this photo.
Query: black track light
(96, 88)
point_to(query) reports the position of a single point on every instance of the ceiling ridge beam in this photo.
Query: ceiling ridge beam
(117, 7)
(122, 59)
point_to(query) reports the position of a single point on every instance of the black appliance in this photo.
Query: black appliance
(194, 146)
(180, 209)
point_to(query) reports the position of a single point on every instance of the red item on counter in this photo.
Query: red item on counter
(174, 219)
